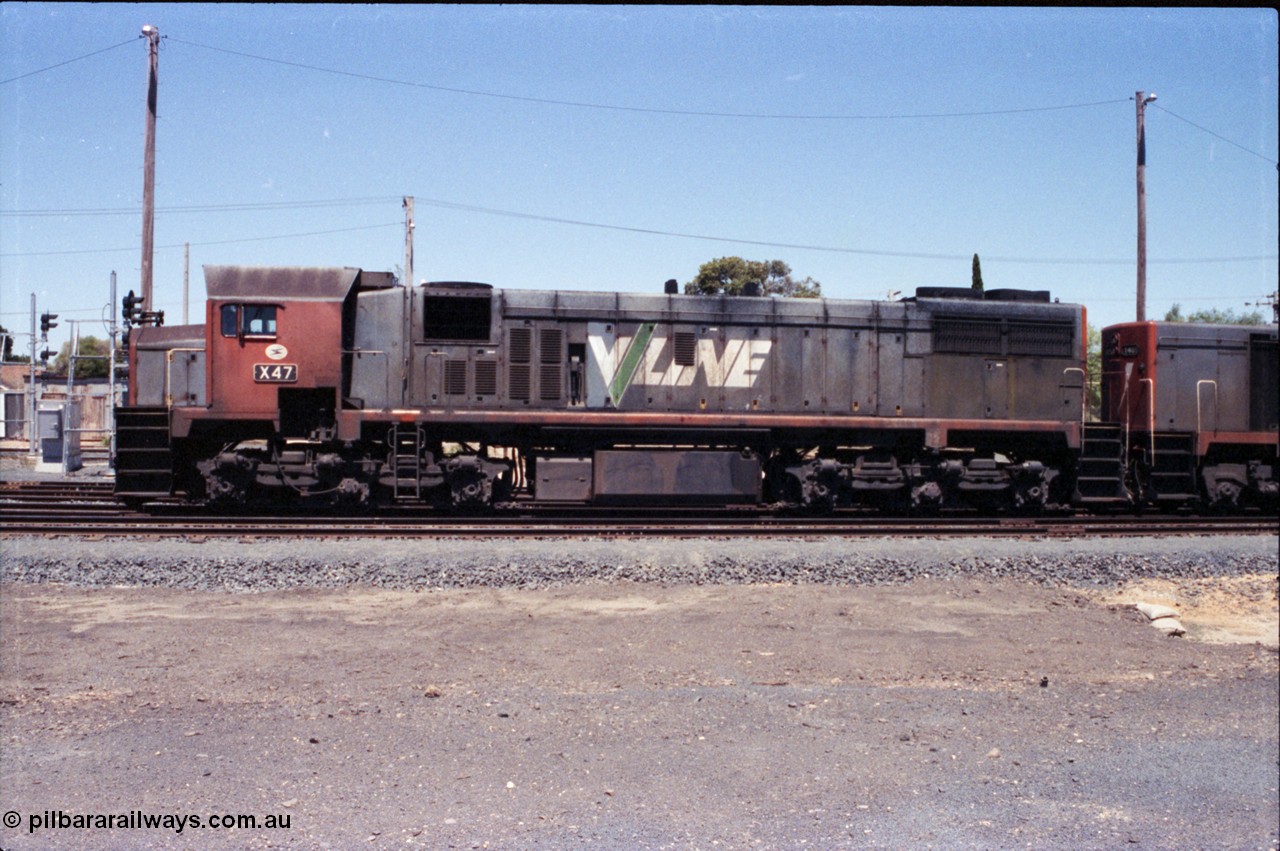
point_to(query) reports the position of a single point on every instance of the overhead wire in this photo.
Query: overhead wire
(516, 214)
(200, 244)
(68, 61)
(202, 208)
(1217, 135)
(211, 208)
(916, 255)
(640, 109)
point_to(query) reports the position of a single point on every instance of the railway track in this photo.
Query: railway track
(89, 508)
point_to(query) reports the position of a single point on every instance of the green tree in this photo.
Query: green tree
(85, 367)
(977, 274)
(731, 275)
(8, 348)
(1214, 316)
(1093, 362)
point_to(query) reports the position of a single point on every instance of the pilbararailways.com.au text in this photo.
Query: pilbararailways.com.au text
(139, 820)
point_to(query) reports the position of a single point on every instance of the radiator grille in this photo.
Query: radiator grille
(686, 348)
(486, 378)
(966, 336)
(549, 382)
(521, 347)
(552, 345)
(455, 378)
(1042, 338)
(518, 382)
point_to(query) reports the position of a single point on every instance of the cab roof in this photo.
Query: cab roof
(276, 283)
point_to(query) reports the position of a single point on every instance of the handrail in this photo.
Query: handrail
(1199, 426)
(1151, 415)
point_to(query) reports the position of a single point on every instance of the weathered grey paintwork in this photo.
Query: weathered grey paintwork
(716, 354)
(168, 366)
(1215, 377)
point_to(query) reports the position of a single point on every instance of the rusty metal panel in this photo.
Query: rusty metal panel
(169, 365)
(842, 354)
(148, 370)
(953, 381)
(430, 380)
(866, 366)
(377, 354)
(187, 378)
(1201, 371)
(562, 479)
(813, 380)
(913, 379)
(1036, 388)
(788, 370)
(995, 388)
(743, 355)
(692, 475)
(1232, 389)
(890, 384)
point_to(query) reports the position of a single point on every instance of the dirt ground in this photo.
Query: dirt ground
(936, 714)
(1222, 610)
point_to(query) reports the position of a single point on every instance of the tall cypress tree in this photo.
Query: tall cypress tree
(977, 274)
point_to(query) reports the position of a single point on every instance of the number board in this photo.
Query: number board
(275, 373)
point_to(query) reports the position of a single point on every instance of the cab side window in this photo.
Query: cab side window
(251, 320)
(230, 320)
(259, 320)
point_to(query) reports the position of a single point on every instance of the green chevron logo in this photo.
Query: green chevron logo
(630, 362)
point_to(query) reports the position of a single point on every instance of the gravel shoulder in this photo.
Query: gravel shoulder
(650, 694)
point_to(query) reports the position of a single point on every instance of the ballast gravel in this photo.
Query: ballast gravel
(417, 564)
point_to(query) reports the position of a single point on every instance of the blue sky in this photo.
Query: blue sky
(874, 149)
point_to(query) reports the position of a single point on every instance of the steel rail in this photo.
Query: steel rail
(89, 508)
(94, 523)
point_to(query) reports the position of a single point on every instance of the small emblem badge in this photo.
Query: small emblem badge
(275, 351)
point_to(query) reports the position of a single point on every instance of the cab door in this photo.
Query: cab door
(248, 360)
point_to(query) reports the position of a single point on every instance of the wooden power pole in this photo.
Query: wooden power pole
(1142, 99)
(408, 241)
(149, 166)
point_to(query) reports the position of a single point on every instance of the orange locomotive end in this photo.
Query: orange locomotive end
(1129, 374)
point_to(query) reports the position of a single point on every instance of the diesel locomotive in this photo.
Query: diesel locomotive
(340, 386)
